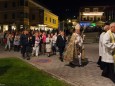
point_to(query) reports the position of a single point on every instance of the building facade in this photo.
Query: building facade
(91, 14)
(23, 14)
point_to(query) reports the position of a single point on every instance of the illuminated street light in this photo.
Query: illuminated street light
(69, 21)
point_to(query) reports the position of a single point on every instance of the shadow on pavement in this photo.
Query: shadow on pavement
(84, 63)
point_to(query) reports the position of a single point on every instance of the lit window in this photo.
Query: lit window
(95, 9)
(87, 9)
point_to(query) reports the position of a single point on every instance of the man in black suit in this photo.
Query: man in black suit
(24, 43)
(61, 42)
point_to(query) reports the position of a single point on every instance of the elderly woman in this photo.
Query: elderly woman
(74, 48)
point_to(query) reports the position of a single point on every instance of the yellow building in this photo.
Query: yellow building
(50, 19)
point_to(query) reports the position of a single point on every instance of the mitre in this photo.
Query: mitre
(77, 27)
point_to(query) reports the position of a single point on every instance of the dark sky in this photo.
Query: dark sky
(59, 6)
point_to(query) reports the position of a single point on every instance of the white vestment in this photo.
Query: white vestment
(79, 40)
(108, 48)
(101, 44)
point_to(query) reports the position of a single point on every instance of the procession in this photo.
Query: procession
(57, 43)
(36, 43)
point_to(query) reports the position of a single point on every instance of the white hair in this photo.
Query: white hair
(106, 27)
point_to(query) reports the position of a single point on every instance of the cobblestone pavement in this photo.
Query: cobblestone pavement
(90, 75)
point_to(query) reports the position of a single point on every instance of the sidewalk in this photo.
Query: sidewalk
(90, 75)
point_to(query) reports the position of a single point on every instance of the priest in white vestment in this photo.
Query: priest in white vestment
(100, 63)
(108, 53)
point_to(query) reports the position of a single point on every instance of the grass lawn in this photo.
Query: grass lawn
(15, 72)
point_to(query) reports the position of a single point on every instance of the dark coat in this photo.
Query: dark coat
(60, 42)
(24, 40)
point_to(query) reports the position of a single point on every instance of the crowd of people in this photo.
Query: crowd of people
(107, 51)
(29, 42)
(35, 43)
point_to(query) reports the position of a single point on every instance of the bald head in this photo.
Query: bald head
(112, 27)
(106, 27)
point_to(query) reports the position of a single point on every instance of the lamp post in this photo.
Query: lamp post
(63, 25)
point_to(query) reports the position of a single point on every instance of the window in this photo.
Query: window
(98, 19)
(95, 18)
(50, 20)
(13, 4)
(87, 9)
(46, 18)
(33, 17)
(91, 19)
(88, 18)
(53, 21)
(95, 9)
(5, 16)
(13, 16)
(5, 5)
(26, 3)
(23, 15)
(84, 19)
(21, 2)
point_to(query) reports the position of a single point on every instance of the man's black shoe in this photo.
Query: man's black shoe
(61, 60)
(23, 56)
(80, 65)
(71, 65)
(105, 75)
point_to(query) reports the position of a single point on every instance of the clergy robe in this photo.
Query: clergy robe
(108, 49)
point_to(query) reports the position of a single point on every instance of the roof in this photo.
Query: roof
(38, 5)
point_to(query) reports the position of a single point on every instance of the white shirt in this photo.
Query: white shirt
(54, 39)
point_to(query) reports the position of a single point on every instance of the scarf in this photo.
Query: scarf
(112, 41)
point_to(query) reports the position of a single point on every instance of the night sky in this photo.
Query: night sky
(70, 8)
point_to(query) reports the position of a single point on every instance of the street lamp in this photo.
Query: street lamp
(69, 21)
(63, 25)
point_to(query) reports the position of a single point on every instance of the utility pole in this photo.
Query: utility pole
(63, 25)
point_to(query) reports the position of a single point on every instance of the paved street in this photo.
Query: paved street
(90, 75)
